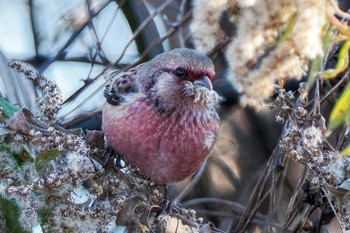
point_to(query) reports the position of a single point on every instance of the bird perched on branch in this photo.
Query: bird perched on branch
(162, 115)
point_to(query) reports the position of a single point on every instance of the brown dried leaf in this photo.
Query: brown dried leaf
(145, 217)
(126, 215)
(95, 138)
(24, 121)
(340, 190)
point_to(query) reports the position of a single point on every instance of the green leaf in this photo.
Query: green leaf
(345, 152)
(20, 156)
(44, 214)
(5, 149)
(24, 156)
(7, 108)
(341, 111)
(10, 212)
(44, 157)
(288, 31)
(313, 71)
(342, 62)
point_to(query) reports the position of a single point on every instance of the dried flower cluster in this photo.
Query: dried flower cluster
(52, 175)
(206, 31)
(50, 102)
(34, 182)
(303, 141)
(274, 41)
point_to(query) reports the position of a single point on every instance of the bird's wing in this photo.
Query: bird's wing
(121, 84)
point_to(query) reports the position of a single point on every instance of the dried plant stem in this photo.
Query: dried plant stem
(291, 210)
(338, 11)
(338, 25)
(344, 79)
(342, 138)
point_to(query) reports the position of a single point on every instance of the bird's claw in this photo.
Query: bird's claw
(164, 206)
(109, 154)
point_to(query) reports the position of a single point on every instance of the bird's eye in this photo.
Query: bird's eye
(180, 72)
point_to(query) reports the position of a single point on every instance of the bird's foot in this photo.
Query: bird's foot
(109, 154)
(164, 205)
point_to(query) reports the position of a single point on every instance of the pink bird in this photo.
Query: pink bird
(161, 116)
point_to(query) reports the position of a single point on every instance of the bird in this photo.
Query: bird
(162, 115)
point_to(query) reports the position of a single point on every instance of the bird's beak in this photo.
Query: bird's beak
(204, 81)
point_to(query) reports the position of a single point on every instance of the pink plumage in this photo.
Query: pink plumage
(162, 115)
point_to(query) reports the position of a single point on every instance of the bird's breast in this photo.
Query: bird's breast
(167, 147)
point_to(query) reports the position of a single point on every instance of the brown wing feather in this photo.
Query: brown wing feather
(120, 85)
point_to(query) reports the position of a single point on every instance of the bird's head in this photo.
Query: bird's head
(182, 77)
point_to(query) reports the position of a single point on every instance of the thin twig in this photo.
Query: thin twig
(338, 11)
(62, 52)
(192, 184)
(336, 86)
(141, 27)
(262, 195)
(112, 20)
(178, 22)
(236, 207)
(305, 217)
(225, 168)
(272, 200)
(185, 220)
(230, 215)
(300, 216)
(317, 107)
(338, 25)
(82, 59)
(341, 138)
(254, 211)
(230, 225)
(252, 198)
(301, 181)
(101, 86)
(219, 46)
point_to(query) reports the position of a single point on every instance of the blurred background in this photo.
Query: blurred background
(76, 43)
